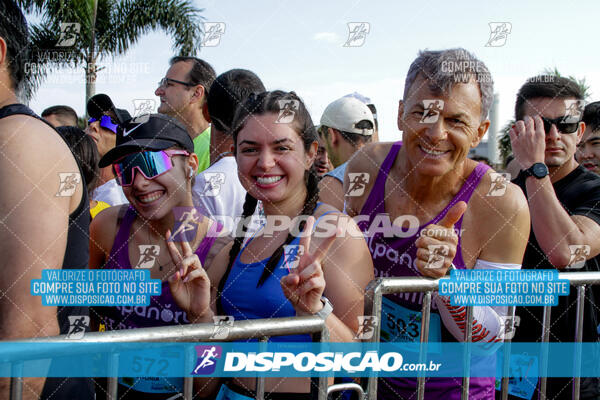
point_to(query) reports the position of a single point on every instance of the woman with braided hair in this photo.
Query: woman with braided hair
(275, 144)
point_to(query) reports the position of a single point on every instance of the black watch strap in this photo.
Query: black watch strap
(537, 170)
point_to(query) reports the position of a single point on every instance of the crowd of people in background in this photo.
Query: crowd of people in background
(232, 160)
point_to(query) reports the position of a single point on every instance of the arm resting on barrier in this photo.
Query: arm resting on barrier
(488, 322)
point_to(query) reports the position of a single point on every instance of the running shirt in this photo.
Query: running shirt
(202, 149)
(339, 172)
(242, 299)
(162, 311)
(396, 256)
(76, 257)
(579, 194)
(100, 205)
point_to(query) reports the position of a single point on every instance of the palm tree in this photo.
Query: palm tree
(80, 33)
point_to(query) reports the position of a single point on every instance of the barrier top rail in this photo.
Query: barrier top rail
(244, 329)
(379, 287)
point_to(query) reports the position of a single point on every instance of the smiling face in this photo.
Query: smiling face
(155, 198)
(272, 160)
(560, 147)
(436, 148)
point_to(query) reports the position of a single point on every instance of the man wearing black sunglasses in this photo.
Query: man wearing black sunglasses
(183, 92)
(564, 201)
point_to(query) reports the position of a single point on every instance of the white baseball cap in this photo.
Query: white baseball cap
(345, 113)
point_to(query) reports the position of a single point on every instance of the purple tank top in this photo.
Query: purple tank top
(395, 256)
(162, 310)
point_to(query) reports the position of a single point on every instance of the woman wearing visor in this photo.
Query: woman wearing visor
(155, 164)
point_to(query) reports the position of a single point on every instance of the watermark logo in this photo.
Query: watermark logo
(142, 108)
(292, 254)
(508, 326)
(499, 32)
(357, 33)
(437, 253)
(68, 183)
(499, 183)
(222, 325)
(186, 224)
(212, 34)
(431, 111)
(207, 359)
(148, 255)
(358, 183)
(287, 111)
(213, 183)
(579, 255)
(69, 31)
(77, 326)
(366, 327)
(573, 111)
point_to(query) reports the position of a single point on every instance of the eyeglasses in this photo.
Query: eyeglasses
(105, 122)
(561, 125)
(165, 81)
(149, 163)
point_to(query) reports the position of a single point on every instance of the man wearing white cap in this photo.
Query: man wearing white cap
(346, 125)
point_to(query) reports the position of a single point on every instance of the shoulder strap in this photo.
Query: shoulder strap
(379, 186)
(14, 109)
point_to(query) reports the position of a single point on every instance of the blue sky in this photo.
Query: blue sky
(299, 46)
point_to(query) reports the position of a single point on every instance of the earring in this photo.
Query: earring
(190, 172)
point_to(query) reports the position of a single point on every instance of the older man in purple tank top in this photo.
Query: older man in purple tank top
(428, 181)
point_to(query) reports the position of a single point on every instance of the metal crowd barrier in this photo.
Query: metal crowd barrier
(382, 286)
(260, 329)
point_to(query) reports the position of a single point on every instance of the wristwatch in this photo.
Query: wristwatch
(537, 170)
(327, 308)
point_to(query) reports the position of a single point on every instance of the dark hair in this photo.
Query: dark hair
(14, 31)
(552, 86)
(591, 116)
(228, 91)
(268, 102)
(374, 112)
(484, 159)
(354, 138)
(202, 73)
(84, 149)
(66, 114)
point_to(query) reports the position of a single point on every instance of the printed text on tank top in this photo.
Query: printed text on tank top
(397, 256)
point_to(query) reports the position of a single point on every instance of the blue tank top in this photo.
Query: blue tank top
(242, 299)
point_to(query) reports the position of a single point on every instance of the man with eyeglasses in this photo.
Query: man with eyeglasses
(183, 92)
(102, 127)
(564, 202)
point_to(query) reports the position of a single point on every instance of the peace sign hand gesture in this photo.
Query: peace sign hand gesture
(305, 284)
(190, 285)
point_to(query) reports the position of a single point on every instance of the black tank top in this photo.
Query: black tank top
(76, 257)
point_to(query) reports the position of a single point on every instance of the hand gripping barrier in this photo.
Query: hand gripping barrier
(382, 286)
(260, 329)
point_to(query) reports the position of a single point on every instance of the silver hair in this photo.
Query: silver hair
(445, 68)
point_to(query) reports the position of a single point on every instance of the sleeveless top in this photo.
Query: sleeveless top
(396, 256)
(76, 257)
(242, 299)
(339, 172)
(163, 310)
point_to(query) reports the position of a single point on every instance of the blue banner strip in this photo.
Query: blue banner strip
(73, 359)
